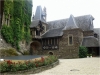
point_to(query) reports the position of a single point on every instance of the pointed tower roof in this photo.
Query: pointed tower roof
(39, 14)
(71, 24)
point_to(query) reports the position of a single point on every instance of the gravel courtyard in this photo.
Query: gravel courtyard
(83, 66)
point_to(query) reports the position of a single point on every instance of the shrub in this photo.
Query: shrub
(82, 52)
(26, 52)
(10, 66)
(8, 52)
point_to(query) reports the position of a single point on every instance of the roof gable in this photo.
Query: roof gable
(34, 23)
(71, 24)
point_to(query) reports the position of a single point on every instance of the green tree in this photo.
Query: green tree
(82, 52)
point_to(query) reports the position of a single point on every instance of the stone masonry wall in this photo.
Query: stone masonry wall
(66, 51)
(70, 51)
(88, 33)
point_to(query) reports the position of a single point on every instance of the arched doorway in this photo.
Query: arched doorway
(35, 47)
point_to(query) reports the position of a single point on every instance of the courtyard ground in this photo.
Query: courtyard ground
(80, 66)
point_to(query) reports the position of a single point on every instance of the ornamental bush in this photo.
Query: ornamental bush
(8, 52)
(11, 66)
(82, 52)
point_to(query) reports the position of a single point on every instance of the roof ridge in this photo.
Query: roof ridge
(68, 18)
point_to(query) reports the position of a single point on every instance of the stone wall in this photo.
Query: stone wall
(65, 50)
(88, 33)
(24, 46)
(70, 51)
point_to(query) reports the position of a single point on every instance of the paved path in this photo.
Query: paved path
(84, 66)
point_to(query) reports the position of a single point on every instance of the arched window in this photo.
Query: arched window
(70, 39)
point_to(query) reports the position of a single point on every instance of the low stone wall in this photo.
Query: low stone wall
(34, 70)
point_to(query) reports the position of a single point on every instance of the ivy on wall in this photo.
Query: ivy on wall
(20, 18)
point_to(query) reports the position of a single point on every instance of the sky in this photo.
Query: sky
(61, 9)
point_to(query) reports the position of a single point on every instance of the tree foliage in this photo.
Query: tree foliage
(82, 51)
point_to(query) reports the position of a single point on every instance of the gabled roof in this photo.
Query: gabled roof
(90, 41)
(35, 23)
(83, 22)
(53, 33)
(71, 24)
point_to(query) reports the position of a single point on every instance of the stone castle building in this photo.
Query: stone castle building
(63, 37)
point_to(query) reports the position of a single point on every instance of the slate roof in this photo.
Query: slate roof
(97, 31)
(83, 22)
(90, 41)
(34, 23)
(39, 14)
(53, 33)
(71, 24)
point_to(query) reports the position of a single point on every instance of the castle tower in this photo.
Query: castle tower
(40, 14)
(72, 38)
(44, 13)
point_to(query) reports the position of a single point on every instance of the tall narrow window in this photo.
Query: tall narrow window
(37, 33)
(55, 41)
(46, 41)
(52, 41)
(31, 32)
(70, 39)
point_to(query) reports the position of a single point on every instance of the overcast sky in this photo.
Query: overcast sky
(60, 9)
